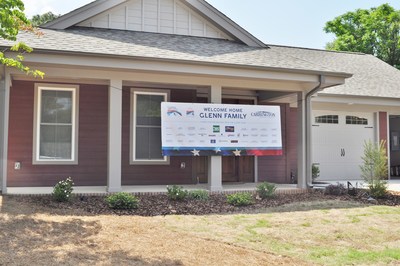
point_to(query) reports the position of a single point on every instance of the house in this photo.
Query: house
(365, 108)
(111, 63)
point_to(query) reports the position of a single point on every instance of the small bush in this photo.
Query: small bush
(199, 194)
(63, 189)
(122, 201)
(315, 172)
(266, 190)
(378, 189)
(176, 192)
(336, 190)
(240, 199)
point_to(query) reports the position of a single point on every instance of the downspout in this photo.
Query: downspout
(308, 110)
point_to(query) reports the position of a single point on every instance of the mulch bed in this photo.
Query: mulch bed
(156, 205)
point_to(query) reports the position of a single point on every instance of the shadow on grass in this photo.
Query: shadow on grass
(26, 239)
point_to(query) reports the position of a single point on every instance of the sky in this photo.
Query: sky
(285, 22)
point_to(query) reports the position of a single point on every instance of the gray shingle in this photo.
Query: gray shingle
(371, 76)
(163, 46)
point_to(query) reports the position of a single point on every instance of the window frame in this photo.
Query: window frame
(140, 91)
(36, 160)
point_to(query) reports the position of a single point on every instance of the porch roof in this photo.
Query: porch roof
(156, 46)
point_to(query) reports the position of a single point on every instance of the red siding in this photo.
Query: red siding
(277, 169)
(154, 174)
(92, 150)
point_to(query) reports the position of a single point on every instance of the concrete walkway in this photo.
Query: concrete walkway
(393, 185)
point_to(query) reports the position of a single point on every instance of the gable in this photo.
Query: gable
(159, 16)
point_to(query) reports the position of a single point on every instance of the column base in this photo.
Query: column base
(114, 189)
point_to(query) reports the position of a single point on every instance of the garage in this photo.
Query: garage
(337, 143)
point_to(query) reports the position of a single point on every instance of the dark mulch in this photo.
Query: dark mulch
(155, 205)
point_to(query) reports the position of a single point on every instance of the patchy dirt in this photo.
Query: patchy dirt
(159, 205)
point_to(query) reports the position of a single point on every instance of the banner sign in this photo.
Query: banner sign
(190, 129)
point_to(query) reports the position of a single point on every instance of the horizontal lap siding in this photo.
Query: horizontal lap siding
(92, 147)
(153, 174)
(277, 169)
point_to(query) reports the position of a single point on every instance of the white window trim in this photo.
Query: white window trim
(134, 93)
(36, 124)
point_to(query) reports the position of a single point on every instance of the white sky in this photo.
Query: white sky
(284, 22)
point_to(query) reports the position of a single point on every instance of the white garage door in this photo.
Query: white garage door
(338, 143)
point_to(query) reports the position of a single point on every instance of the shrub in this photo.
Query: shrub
(374, 168)
(122, 201)
(176, 192)
(266, 190)
(63, 189)
(240, 199)
(315, 172)
(336, 190)
(199, 194)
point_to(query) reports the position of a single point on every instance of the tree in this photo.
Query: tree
(38, 20)
(12, 20)
(375, 31)
(375, 169)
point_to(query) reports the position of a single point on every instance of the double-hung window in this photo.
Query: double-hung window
(55, 124)
(146, 127)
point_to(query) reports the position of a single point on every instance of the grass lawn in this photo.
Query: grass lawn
(327, 233)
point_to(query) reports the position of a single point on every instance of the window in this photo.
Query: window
(146, 137)
(355, 120)
(55, 124)
(327, 119)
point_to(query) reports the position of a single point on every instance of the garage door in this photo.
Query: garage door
(338, 143)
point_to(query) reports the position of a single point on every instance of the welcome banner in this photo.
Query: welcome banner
(190, 129)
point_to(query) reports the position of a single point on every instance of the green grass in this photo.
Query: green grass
(327, 233)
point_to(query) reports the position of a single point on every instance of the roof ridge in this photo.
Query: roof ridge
(316, 49)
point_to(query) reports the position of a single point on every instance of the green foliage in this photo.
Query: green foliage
(374, 31)
(63, 189)
(199, 194)
(122, 201)
(240, 199)
(374, 169)
(315, 172)
(12, 20)
(38, 20)
(176, 192)
(266, 190)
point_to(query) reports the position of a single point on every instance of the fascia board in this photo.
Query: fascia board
(225, 22)
(81, 14)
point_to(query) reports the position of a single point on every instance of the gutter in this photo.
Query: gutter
(308, 121)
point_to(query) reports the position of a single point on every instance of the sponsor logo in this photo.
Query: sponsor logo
(213, 141)
(229, 129)
(189, 112)
(212, 135)
(172, 111)
(216, 129)
(263, 114)
(234, 141)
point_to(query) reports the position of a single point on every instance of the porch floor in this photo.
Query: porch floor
(99, 190)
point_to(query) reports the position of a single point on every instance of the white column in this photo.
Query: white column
(4, 113)
(114, 136)
(301, 141)
(215, 162)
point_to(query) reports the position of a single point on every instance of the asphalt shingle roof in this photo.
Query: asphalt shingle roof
(162, 46)
(371, 76)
